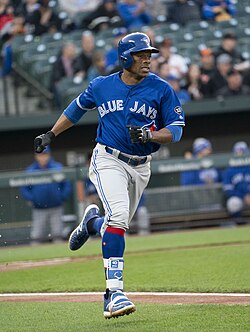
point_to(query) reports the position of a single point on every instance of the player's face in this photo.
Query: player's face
(141, 63)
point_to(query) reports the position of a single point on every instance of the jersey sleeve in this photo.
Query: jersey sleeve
(172, 112)
(80, 105)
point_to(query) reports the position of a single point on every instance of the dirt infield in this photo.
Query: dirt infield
(158, 298)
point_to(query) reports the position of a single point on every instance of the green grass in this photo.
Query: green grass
(208, 269)
(133, 244)
(87, 317)
(193, 261)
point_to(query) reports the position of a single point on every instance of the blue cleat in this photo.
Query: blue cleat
(80, 235)
(117, 304)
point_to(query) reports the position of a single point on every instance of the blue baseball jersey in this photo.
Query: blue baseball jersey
(203, 176)
(236, 181)
(150, 104)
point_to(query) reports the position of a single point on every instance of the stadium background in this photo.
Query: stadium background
(223, 121)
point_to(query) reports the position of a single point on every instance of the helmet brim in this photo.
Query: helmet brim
(151, 49)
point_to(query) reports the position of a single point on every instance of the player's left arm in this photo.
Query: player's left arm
(169, 134)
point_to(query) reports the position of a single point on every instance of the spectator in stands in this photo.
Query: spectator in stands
(63, 67)
(40, 18)
(98, 67)
(235, 86)
(229, 46)
(207, 69)
(6, 13)
(186, 175)
(46, 199)
(74, 7)
(202, 148)
(163, 70)
(111, 56)
(6, 51)
(188, 154)
(219, 78)
(103, 17)
(218, 10)
(7, 34)
(193, 82)
(182, 93)
(236, 184)
(177, 63)
(182, 12)
(84, 60)
(134, 13)
(207, 64)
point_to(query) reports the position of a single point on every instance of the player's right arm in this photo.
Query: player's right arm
(71, 115)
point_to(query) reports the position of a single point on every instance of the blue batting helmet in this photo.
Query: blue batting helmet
(132, 43)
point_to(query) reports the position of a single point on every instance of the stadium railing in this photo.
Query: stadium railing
(170, 206)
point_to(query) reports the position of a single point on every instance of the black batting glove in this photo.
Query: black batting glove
(139, 135)
(41, 141)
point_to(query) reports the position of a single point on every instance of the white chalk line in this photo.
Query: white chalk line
(128, 293)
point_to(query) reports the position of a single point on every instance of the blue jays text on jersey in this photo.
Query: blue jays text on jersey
(150, 103)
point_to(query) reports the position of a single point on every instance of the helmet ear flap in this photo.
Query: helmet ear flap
(124, 59)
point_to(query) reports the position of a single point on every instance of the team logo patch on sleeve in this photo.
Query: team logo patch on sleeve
(178, 110)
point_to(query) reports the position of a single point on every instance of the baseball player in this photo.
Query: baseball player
(137, 112)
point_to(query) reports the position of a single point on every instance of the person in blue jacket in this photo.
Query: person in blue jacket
(46, 199)
(202, 148)
(236, 184)
(134, 14)
(218, 10)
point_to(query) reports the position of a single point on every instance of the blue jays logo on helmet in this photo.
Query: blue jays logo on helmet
(132, 43)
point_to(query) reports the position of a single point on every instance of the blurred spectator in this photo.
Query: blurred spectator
(46, 199)
(98, 67)
(134, 13)
(63, 67)
(188, 154)
(218, 10)
(207, 69)
(163, 70)
(177, 63)
(235, 86)
(39, 17)
(207, 64)
(181, 93)
(202, 148)
(183, 11)
(111, 56)
(103, 17)
(193, 82)
(236, 184)
(84, 59)
(229, 46)
(6, 13)
(219, 78)
(185, 175)
(73, 7)
(7, 34)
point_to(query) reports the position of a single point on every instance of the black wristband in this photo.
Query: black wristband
(50, 134)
